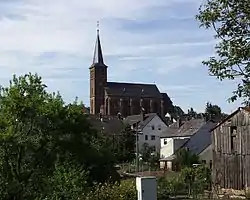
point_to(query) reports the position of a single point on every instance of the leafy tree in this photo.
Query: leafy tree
(125, 145)
(213, 112)
(231, 22)
(39, 132)
(185, 158)
(67, 182)
(146, 152)
(191, 113)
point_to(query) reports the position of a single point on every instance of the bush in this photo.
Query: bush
(196, 179)
(67, 183)
(124, 191)
(169, 187)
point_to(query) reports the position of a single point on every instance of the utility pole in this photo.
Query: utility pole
(137, 147)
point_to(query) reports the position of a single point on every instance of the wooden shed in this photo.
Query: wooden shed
(231, 151)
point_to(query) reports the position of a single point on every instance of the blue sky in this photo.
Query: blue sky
(150, 41)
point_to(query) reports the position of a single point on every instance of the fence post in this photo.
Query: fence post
(146, 188)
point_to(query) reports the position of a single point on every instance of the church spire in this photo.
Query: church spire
(98, 57)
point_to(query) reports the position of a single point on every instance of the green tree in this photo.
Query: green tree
(124, 146)
(213, 112)
(231, 22)
(185, 158)
(192, 113)
(39, 132)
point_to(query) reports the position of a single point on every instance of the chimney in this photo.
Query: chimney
(143, 114)
(179, 122)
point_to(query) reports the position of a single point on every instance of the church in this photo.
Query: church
(113, 98)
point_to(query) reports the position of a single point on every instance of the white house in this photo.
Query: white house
(179, 135)
(149, 128)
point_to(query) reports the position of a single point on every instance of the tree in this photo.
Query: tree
(231, 22)
(185, 158)
(39, 133)
(191, 113)
(125, 145)
(212, 112)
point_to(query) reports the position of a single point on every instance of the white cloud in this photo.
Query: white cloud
(30, 28)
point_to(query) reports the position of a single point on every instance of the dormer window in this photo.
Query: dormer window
(142, 91)
(124, 90)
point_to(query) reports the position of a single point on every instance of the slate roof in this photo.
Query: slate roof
(132, 90)
(201, 139)
(188, 128)
(134, 119)
(109, 125)
(98, 56)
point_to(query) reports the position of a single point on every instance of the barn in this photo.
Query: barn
(231, 151)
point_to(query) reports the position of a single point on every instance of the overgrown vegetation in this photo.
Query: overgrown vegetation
(48, 149)
(185, 158)
(191, 182)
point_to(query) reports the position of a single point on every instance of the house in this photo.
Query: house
(149, 127)
(200, 143)
(193, 135)
(231, 151)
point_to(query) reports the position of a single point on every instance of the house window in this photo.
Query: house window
(203, 162)
(165, 141)
(152, 137)
(210, 164)
(146, 137)
(233, 133)
(153, 127)
(159, 127)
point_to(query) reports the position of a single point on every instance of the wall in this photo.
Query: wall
(206, 155)
(231, 165)
(172, 145)
(159, 126)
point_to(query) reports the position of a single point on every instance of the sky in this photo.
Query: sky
(146, 41)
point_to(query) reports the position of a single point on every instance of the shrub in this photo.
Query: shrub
(124, 191)
(196, 179)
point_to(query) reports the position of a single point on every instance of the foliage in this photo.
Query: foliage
(38, 132)
(213, 112)
(146, 152)
(170, 187)
(192, 113)
(69, 181)
(192, 181)
(231, 22)
(124, 147)
(196, 179)
(185, 158)
(125, 191)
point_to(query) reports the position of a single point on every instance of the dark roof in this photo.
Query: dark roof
(231, 115)
(166, 98)
(134, 119)
(98, 56)
(109, 125)
(132, 90)
(188, 128)
(201, 139)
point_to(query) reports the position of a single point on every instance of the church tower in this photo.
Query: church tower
(98, 78)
